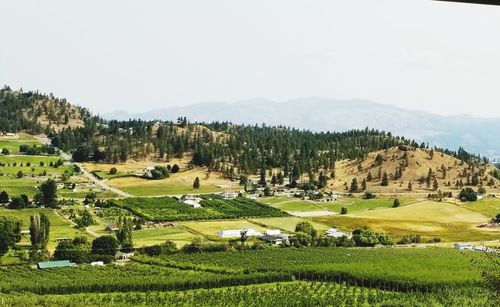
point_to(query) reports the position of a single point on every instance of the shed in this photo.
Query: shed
(54, 264)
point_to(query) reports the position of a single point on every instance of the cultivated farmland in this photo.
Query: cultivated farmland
(213, 207)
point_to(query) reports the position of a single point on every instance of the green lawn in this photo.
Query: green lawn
(489, 206)
(291, 204)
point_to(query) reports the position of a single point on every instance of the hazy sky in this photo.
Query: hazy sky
(139, 55)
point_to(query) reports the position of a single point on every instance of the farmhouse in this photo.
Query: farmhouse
(335, 233)
(54, 264)
(462, 246)
(276, 239)
(190, 200)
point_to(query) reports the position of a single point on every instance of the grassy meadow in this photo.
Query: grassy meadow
(176, 184)
(430, 219)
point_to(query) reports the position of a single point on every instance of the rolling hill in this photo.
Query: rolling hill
(478, 135)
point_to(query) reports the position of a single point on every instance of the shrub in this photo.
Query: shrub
(468, 194)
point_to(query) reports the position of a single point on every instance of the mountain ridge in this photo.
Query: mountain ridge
(325, 114)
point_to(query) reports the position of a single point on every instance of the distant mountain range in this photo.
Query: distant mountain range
(478, 135)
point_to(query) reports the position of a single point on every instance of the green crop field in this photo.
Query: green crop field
(416, 267)
(297, 293)
(16, 187)
(213, 207)
(160, 189)
(271, 277)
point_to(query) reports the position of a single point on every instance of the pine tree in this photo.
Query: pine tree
(385, 180)
(369, 177)
(196, 183)
(428, 179)
(435, 185)
(363, 184)
(410, 186)
(354, 185)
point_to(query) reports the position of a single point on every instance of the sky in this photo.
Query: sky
(140, 55)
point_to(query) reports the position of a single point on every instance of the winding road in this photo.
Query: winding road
(93, 178)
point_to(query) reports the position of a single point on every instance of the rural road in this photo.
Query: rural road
(93, 178)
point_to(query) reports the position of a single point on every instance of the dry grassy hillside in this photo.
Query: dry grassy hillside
(413, 166)
(56, 115)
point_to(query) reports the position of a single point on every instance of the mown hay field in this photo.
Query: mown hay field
(430, 219)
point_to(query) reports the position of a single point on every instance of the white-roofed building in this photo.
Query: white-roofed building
(272, 232)
(335, 233)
